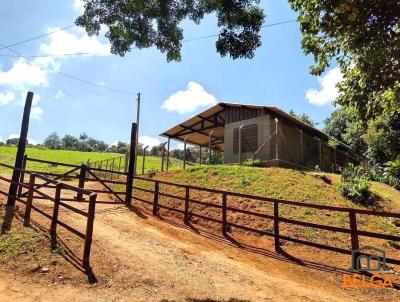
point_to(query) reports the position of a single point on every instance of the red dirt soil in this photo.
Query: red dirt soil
(138, 257)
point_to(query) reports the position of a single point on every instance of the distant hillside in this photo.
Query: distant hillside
(7, 155)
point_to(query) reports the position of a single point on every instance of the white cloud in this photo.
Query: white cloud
(36, 113)
(149, 141)
(180, 146)
(1, 139)
(79, 5)
(30, 140)
(328, 92)
(24, 73)
(185, 101)
(66, 42)
(7, 98)
(59, 95)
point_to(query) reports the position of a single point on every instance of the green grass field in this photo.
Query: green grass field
(7, 155)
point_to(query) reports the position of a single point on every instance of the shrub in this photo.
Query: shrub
(252, 163)
(354, 185)
(151, 172)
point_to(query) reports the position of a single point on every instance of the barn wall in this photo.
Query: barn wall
(262, 133)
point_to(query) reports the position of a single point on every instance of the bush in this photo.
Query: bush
(151, 172)
(251, 163)
(354, 185)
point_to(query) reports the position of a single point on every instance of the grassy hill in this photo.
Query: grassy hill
(7, 155)
(279, 183)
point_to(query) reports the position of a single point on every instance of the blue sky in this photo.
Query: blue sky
(171, 92)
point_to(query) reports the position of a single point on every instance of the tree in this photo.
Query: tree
(69, 142)
(12, 141)
(52, 141)
(364, 38)
(302, 117)
(338, 122)
(145, 24)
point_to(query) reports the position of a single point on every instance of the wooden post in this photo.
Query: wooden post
(184, 154)
(12, 192)
(224, 219)
(29, 200)
(354, 236)
(119, 165)
(168, 146)
(144, 158)
(54, 220)
(155, 203)
(200, 156)
(82, 176)
(89, 231)
(209, 147)
(22, 178)
(162, 157)
(187, 197)
(126, 162)
(131, 168)
(276, 227)
(112, 168)
(276, 139)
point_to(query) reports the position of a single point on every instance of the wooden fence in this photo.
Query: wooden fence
(223, 205)
(33, 187)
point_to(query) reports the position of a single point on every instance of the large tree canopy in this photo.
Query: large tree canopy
(363, 37)
(145, 24)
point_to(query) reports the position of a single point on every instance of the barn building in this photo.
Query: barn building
(243, 132)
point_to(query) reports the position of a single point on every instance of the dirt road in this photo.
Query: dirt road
(137, 257)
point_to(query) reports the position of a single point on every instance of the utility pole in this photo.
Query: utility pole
(12, 192)
(137, 127)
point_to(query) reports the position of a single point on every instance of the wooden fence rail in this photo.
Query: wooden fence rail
(276, 217)
(33, 187)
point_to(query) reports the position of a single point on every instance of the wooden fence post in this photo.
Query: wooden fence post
(187, 197)
(156, 191)
(224, 219)
(22, 178)
(29, 200)
(131, 168)
(276, 227)
(81, 185)
(16, 174)
(354, 236)
(89, 232)
(54, 220)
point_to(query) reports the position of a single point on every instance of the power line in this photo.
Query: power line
(68, 75)
(38, 37)
(216, 35)
(50, 56)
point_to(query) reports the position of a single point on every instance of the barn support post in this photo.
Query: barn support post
(12, 192)
(184, 152)
(168, 146)
(162, 157)
(132, 163)
(276, 139)
(209, 146)
(240, 142)
(200, 155)
(144, 158)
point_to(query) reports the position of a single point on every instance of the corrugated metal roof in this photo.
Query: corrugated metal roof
(178, 132)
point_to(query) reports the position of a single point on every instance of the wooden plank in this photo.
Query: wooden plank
(54, 220)
(89, 231)
(276, 227)
(29, 200)
(81, 185)
(187, 200)
(155, 200)
(224, 218)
